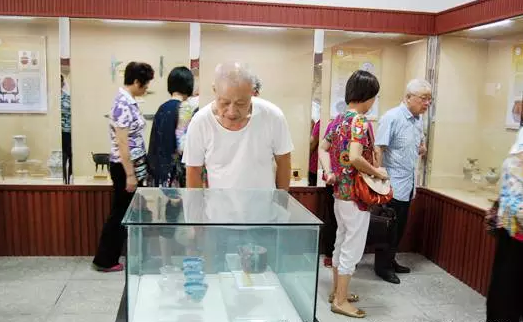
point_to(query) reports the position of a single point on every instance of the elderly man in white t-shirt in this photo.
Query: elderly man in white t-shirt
(237, 137)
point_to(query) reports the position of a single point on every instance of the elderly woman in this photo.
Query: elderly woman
(505, 295)
(350, 142)
(128, 162)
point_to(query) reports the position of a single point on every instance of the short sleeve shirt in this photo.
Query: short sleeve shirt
(126, 114)
(351, 127)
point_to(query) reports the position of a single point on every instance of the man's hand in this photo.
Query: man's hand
(422, 150)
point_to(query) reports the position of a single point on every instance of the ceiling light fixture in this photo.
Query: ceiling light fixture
(255, 27)
(16, 18)
(133, 22)
(501, 23)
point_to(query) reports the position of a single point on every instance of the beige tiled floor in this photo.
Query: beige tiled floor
(58, 289)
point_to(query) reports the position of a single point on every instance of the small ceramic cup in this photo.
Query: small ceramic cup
(194, 276)
(196, 290)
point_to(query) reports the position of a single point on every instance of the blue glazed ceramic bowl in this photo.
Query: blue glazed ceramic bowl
(194, 276)
(193, 264)
(196, 290)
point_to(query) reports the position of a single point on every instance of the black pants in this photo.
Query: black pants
(505, 295)
(313, 179)
(114, 234)
(385, 256)
(67, 157)
(328, 231)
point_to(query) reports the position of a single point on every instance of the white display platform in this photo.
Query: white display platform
(224, 302)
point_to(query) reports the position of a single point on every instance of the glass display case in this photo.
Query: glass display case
(220, 255)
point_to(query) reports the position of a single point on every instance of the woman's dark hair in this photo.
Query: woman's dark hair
(142, 72)
(180, 80)
(361, 87)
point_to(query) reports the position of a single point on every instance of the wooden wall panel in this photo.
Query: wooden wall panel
(454, 238)
(476, 13)
(231, 12)
(51, 220)
(67, 220)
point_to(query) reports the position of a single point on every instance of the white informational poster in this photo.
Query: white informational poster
(23, 81)
(345, 61)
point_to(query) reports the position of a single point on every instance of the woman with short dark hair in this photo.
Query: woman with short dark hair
(165, 166)
(348, 148)
(128, 166)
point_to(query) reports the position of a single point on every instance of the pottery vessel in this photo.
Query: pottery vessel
(253, 258)
(20, 150)
(54, 163)
(469, 168)
(492, 176)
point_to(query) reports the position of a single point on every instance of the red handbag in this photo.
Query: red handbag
(370, 190)
(372, 193)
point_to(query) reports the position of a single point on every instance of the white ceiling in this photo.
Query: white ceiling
(407, 5)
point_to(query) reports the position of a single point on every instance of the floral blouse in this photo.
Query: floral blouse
(510, 213)
(126, 114)
(351, 127)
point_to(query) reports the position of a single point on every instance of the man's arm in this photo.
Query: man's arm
(194, 154)
(383, 138)
(283, 171)
(282, 147)
(378, 152)
(194, 177)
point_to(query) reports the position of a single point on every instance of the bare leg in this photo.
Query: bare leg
(341, 305)
(334, 279)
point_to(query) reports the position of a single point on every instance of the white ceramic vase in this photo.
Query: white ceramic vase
(20, 150)
(492, 176)
(54, 163)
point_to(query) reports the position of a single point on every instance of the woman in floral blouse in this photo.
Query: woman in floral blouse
(505, 295)
(347, 149)
(128, 161)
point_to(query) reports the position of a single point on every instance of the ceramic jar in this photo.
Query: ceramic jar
(492, 176)
(469, 168)
(54, 163)
(20, 150)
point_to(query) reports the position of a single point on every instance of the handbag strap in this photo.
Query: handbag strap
(370, 134)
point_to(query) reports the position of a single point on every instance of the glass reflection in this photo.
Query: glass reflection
(29, 100)
(395, 59)
(282, 60)
(478, 110)
(100, 50)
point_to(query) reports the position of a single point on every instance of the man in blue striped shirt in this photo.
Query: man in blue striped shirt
(399, 144)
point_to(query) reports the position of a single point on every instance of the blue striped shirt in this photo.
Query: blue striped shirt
(401, 133)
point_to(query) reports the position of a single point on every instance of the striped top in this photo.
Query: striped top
(401, 133)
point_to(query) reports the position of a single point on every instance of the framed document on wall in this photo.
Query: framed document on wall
(23, 76)
(345, 61)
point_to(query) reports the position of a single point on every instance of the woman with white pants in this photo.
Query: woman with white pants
(347, 149)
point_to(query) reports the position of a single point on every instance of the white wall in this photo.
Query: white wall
(408, 5)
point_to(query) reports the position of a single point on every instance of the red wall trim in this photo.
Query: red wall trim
(476, 13)
(454, 238)
(230, 12)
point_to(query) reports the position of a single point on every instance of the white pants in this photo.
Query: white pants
(351, 236)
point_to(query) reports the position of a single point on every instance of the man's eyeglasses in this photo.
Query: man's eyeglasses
(424, 98)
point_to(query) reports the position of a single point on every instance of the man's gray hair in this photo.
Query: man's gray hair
(233, 73)
(417, 86)
(256, 87)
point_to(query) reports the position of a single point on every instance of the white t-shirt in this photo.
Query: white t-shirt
(238, 159)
